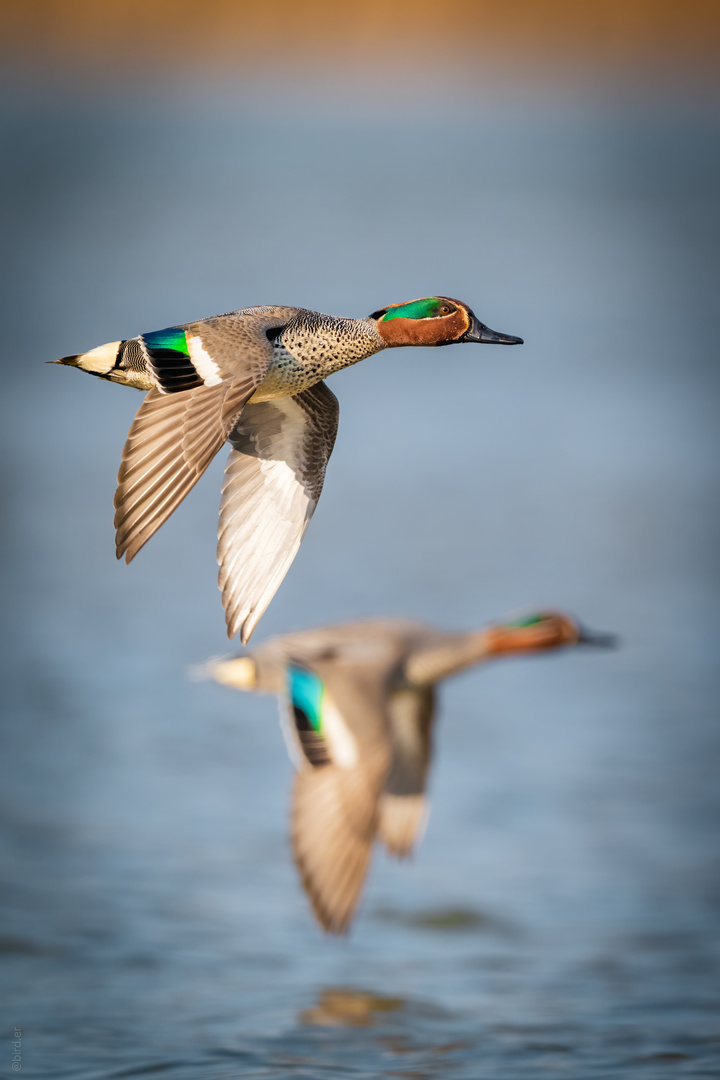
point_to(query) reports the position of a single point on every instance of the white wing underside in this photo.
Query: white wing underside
(273, 479)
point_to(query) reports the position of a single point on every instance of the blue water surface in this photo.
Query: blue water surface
(561, 916)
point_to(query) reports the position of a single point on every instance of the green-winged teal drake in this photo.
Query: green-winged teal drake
(357, 704)
(251, 377)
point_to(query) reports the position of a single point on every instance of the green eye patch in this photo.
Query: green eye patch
(527, 620)
(418, 309)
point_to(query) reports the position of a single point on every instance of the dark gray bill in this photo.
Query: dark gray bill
(485, 336)
(599, 639)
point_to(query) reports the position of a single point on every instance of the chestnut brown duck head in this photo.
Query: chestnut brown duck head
(541, 631)
(435, 320)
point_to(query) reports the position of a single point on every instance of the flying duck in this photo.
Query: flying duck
(253, 378)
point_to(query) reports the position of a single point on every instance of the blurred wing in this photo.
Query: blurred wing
(173, 439)
(273, 479)
(404, 808)
(334, 818)
(402, 822)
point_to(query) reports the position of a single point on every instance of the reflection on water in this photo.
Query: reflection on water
(342, 1006)
(447, 918)
(561, 916)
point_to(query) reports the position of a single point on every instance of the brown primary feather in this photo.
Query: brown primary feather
(171, 442)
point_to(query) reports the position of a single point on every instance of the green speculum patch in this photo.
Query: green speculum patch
(305, 691)
(527, 620)
(172, 339)
(428, 308)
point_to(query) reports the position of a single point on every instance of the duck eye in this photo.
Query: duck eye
(447, 309)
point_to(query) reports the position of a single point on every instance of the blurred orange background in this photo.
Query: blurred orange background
(630, 36)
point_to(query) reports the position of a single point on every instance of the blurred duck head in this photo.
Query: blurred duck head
(542, 630)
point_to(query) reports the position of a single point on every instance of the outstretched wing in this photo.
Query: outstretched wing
(404, 808)
(336, 727)
(204, 373)
(334, 818)
(273, 479)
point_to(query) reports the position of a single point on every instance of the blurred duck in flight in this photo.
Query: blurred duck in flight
(357, 705)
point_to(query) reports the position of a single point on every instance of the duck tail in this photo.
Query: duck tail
(101, 361)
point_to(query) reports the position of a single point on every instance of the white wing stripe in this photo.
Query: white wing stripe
(204, 364)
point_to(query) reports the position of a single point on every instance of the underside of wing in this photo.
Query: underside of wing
(173, 439)
(334, 817)
(404, 807)
(273, 479)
